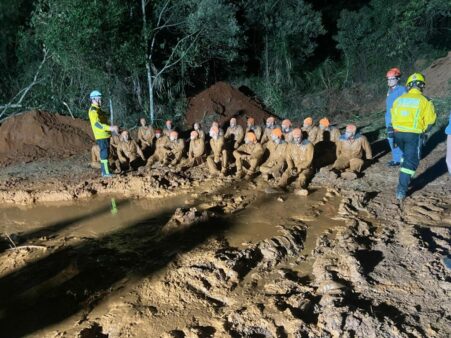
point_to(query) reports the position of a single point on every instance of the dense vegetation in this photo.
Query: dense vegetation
(148, 56)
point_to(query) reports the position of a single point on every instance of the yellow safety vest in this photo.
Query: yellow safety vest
(412, 112)
(99, 121)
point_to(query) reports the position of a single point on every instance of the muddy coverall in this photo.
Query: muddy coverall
(196, 153)
(201, 134)
(350, 153)
(312, 133)
(175, 151)
(160, 151)
(257, 130)
(249, 154)
(299, 158)
(127, 153)
(288, 136)
(275, 163)
(145, 137)
(238, 135)
(218, 155)
(167, 131)
(266, 137)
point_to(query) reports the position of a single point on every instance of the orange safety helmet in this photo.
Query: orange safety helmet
(250, 136)
(308, 121)
(277, 132)
(297, 132)
(393, 72)
(324, 122)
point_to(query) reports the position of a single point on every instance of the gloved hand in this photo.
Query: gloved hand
(390, 132)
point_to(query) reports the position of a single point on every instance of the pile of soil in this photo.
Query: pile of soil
(36, 134)
(437, 76)
(220, 103)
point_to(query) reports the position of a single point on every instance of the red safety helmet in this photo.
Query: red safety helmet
(393, 72)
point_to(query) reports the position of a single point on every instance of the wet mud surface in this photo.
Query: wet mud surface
(167, 254)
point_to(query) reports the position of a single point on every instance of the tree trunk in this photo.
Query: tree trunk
(149, 71)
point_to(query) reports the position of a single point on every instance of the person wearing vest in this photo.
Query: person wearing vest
(101, 130)
(412, 115)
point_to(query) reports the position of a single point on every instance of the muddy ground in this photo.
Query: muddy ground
(161, 255)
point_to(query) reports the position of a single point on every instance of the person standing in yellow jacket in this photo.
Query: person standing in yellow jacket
(102, 131)
(412, 115)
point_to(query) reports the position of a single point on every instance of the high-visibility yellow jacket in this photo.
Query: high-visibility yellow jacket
(412, 112)
(99, 121)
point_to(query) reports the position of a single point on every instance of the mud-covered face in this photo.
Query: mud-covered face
(192, 137)
(297, 140)
(142, 122)
(169, 125)
(173, 138)
(285, 128)
(196, 126)
(275, 139)
(322, 127)
(269, 124)
(233, 123)
(306, 125)
(124, 136)
(157, 135)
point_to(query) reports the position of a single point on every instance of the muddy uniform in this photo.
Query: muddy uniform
(350, 153)
(238, 135)
(175, 151)
(288, 136)
(145, 136)
(196, 153)
(128, 152)
(311, 133)
(249, 154)
(257, 130)
(218, 154)
(266, 137)
(201, 134)
(160, 151)
(276, 161)
(299, 158)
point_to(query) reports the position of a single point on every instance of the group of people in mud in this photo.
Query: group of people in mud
(281, 154)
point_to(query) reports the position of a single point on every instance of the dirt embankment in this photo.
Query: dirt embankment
(438, 77)
(220, 103)
(37, 134)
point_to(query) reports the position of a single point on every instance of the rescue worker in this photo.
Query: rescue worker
(412, 115)
(395, 90)
(216, 124)
(159, 155)
(248, 156)
(168, 128)
(175, 148)
(146, 135)
(199, 130)
(310, 131)
(287, 131)
(128, 152)
(326, 132)
(251, 127)
(236, 131)
(350, 149)
(196, 151)
(299, 158)
(270, 125)
(218, 153)
(326, 144)
(277, 150)
(102, 131)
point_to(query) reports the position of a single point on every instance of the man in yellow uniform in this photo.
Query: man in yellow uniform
(102, 131)
(412, 115)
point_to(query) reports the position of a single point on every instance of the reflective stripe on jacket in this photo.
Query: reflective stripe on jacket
(99, 121)
(412, 112)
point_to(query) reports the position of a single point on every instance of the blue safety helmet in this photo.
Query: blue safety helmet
(95, 94)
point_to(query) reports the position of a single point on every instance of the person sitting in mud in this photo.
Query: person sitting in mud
(251, 127)
(196, 151)
(248, 156)
(235, 131)
(309, 130)
(326, 132)
(218, 154)
(160, 149)
(199, 130)
(299, 159)
(146, 135)
(287, 131)
(270, 125)
(168, 127)
(175, 148)
(350, 149)
(130, 155)
(275, 163)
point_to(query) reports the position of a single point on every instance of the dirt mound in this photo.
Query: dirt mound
(38, 134)
(437, 76)
(220, 103)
